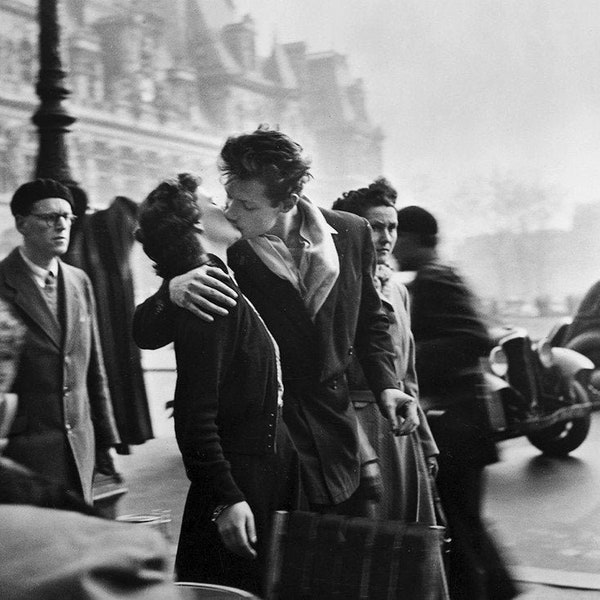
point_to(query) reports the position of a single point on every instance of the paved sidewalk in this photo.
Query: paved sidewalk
(157, 482)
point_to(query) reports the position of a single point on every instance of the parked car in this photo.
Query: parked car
(539, 390)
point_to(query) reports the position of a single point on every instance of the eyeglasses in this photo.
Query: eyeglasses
(51, 219)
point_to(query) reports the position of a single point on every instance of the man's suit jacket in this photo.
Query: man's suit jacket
(64, 409)
(314, 355)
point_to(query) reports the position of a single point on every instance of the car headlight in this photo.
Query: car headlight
(544, 350)
(498, 361)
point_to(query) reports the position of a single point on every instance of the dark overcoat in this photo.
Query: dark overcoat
(64, 409)
(316, 354)
(101, 245)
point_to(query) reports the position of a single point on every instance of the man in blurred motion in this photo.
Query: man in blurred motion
(450, 340)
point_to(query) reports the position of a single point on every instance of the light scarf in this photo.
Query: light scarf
(319, 265)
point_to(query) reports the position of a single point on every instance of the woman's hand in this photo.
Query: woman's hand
(237, 530)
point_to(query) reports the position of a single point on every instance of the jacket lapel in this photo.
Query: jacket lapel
(324, 318)
(28, 297)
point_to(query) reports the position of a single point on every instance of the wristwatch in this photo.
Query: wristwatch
(218, 510)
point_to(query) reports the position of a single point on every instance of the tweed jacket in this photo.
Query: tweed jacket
(64, 411)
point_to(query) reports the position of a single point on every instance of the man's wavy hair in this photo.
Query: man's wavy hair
(378, 193)
(270, 157)
(167, 219)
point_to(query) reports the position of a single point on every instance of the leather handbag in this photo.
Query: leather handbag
(318, 557)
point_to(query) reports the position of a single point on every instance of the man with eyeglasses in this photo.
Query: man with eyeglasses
(64, 425)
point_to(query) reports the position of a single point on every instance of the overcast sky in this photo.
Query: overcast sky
(466, 88)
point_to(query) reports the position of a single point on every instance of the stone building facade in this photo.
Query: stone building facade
(158, 85)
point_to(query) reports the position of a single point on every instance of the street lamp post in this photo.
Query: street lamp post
(52, 117)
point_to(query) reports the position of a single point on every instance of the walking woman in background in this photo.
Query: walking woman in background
(226, 397)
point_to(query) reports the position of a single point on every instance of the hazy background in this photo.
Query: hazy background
(467, 91)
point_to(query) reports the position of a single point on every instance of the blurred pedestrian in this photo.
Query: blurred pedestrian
(64, 424)
(308, 271)
(226, 399)
(407, 469)
(450, 340)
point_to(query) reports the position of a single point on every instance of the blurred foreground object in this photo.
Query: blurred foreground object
(53, 555)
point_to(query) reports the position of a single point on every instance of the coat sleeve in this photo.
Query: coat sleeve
(154, 319)
(374, 346)
(449, 334)
(105, 428)
(202, 351)
(411, 385)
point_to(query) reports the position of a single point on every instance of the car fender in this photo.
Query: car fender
(570, 362)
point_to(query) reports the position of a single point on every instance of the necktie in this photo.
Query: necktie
(50, 293)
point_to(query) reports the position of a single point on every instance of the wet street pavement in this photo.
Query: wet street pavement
(544, 512)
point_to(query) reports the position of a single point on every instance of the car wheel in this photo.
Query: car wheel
(561, 438)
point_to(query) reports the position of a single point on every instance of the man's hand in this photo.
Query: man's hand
(394, 403)
(203, 292)
(237, 530)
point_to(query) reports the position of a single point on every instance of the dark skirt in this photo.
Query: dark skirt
(269, 483)
(408, 494)
(201, 555)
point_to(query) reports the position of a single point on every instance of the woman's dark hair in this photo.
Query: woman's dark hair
(379, 193)
(270, 157)
(167, 220)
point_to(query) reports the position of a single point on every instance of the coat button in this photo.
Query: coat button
(351, 351)
(68, 427)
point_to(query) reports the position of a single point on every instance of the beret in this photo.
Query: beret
(40, 189)
(414, 219)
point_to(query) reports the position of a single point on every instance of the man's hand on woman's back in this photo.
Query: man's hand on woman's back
(204, 292)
